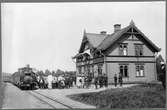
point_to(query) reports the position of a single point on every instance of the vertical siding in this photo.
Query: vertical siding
(149, 73)
(112, 68)
(82, 69)
(77, 70)
(147, 51)
(131, 72)
(95, 70)
(131, 49)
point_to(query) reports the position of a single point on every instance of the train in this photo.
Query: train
(25, 79)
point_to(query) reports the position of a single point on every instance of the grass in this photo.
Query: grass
(2, 93)
(139, 96)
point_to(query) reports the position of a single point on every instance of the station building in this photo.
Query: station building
(126, 51)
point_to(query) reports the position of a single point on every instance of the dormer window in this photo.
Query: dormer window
(138, 49)
(123, 49)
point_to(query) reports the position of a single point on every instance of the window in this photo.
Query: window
(124, 70)
(100, 69)
(79, 70)
(92, 71)
(123, 49)
(138, 49)
(91, 68)
(139, 70)
(82, 69)
(85, 69)
(88, 68)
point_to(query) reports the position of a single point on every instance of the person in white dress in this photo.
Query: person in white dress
(50, 79)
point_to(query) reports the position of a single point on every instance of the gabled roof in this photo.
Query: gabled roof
(95, 39)
(150, 43)
(104, 41)
(108, 41)
(112, 38)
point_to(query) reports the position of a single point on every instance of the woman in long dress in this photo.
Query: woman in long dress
(50, 79)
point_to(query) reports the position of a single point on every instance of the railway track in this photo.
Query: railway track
(53, 103)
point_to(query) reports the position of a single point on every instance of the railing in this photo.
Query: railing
(91, 61)
(98, 60)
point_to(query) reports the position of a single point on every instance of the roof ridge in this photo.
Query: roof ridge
(112, 35)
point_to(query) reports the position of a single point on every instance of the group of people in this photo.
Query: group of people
(101, 80)
(118, 79)
(84, 82)
(51, 82)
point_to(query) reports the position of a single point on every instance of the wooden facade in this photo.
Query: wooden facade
(127, 51)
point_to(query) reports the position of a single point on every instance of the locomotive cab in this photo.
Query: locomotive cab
(25, 78)
(28, 81)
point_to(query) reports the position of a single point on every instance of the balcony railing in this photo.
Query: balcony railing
(90, 61)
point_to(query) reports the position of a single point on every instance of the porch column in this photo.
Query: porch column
(105, 66)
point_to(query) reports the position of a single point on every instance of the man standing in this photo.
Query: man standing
(101, 81)
(105, 80)
(115, 80)
(120, 79)
(96, 82)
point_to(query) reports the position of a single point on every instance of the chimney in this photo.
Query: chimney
(117, 27)
(103, 32)
(28, 66)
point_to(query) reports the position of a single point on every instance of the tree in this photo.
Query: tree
(47, 72)
(59, 72)
(41, 73)
(53, 73)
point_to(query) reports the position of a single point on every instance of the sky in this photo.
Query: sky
(48, 35)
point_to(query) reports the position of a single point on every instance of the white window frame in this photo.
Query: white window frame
(139, 69)
(123, 49)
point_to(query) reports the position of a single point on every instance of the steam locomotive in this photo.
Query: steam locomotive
(25, 78)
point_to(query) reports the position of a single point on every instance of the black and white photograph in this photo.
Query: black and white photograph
(83, 55)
